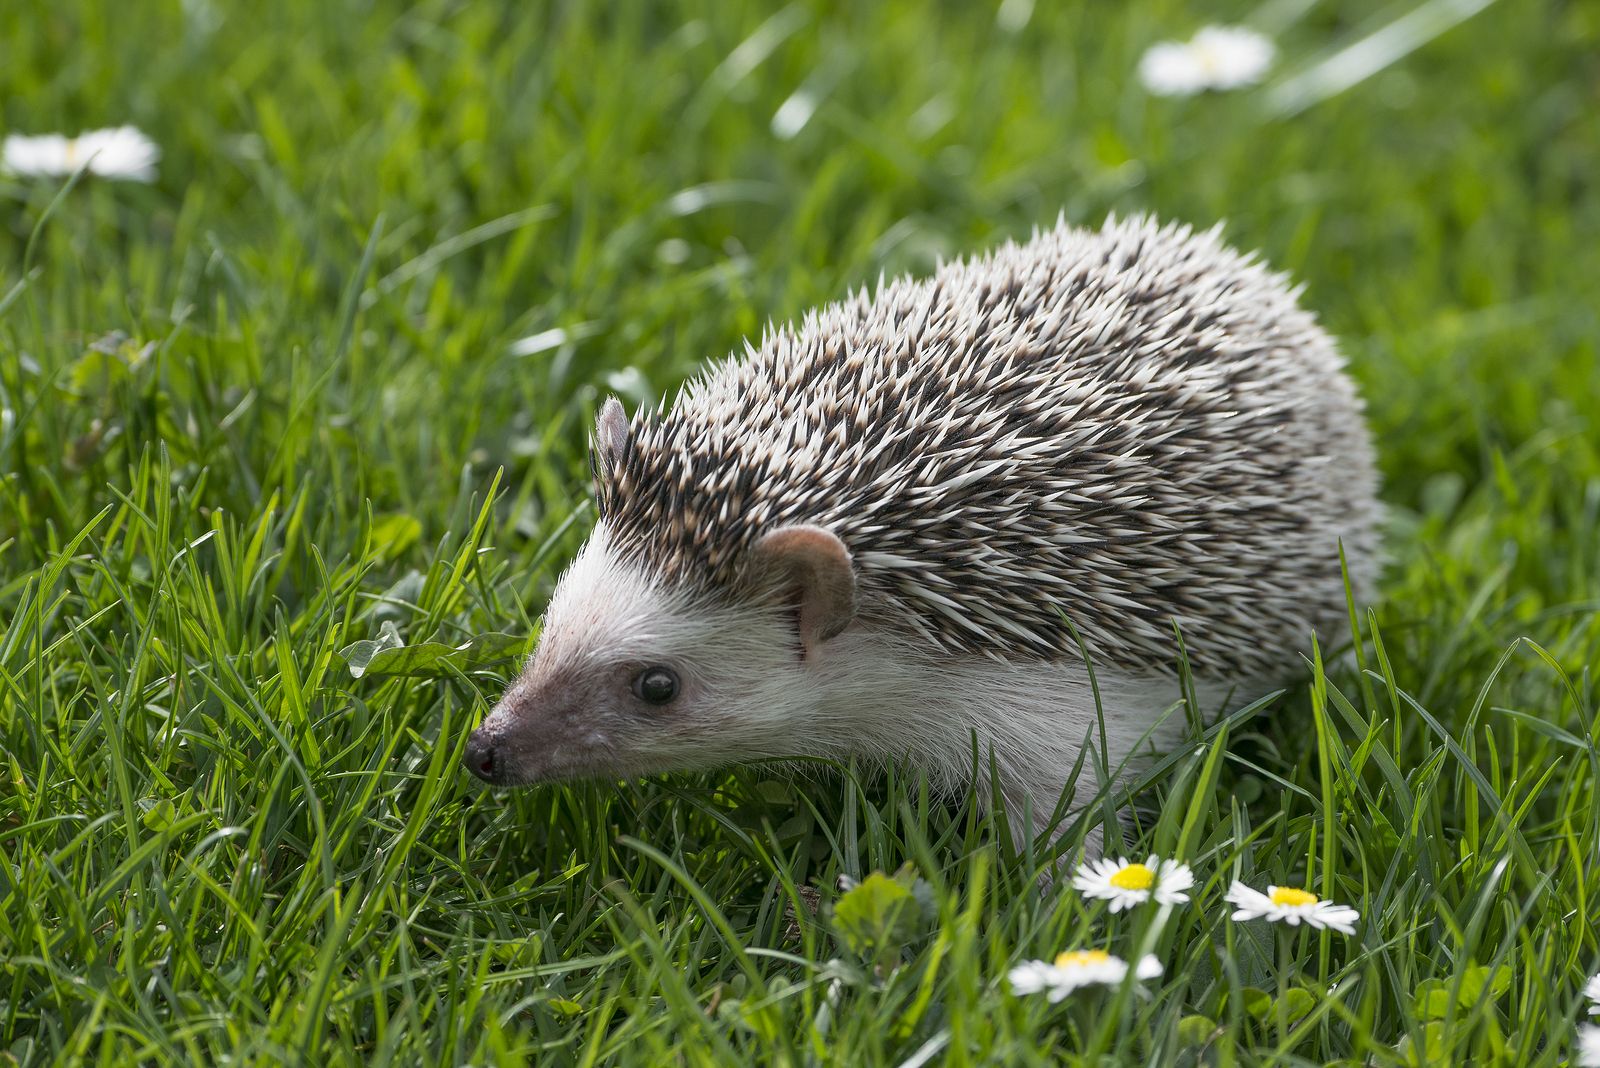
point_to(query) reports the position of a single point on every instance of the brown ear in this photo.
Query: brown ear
(816, 566)
(610, 437)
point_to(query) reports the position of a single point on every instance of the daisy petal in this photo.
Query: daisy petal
(1029, 977)
(1589, 1046)
(1293, 906)
(121, 153)
(1218, 57)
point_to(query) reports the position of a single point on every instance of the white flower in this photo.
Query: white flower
(1219, 57)
(1125, 883)
(1291, 905)
(120, 153)
(1589, 1046)
(1592, 992)
(1081, 967)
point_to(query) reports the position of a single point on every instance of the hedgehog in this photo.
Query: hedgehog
(972, 524)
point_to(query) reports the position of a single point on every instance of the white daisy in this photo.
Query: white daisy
(121, 153)
(1219, 57)
(1291, 905)
(1127, 883)
(1081, 967)
(1589, 1046)
(1592, 992)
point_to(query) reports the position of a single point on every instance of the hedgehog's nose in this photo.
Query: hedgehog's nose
(481, 758)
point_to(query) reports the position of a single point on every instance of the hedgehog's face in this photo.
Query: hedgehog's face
(632, 678)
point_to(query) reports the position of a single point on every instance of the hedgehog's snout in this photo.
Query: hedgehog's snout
(496, 751)
(481, 757)
(536, 733)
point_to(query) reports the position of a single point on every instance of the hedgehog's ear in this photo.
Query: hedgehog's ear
(611, 436)
(814, 566)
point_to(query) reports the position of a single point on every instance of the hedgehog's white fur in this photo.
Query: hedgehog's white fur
(1119, 430)
(869, 695)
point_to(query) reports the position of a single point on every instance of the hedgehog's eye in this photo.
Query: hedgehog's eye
(655, 685)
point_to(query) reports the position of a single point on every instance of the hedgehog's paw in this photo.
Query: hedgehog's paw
(1036, 816)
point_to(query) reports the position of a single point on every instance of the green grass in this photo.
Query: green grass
(264, 408)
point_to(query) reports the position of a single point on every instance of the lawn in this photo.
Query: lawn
(329, 378)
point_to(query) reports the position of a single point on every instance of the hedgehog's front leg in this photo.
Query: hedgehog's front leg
(1044, 806)
(1060, 750)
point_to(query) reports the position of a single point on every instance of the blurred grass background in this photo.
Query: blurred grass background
(335, 370)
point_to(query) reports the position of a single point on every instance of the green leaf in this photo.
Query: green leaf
(399, 601)
(1297, 1003)
(877, 916)
(774, 792)
(359, 655)
(1432, 1051)
(1432, 999)
(1197, 1030)
(107, 363)
(522, 952)
(388, 656)
(1478, 977)
(160, 815)
(394, 534)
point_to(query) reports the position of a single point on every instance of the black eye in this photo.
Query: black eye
(655, 685)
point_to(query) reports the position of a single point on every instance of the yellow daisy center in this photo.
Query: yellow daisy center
(1079, 958)
(1292, 896)
(1134, 877)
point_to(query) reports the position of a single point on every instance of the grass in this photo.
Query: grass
(332, 374)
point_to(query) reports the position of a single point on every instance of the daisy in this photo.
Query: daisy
(122, 153)
(1589, 1046)
(1127, 883)
(1081, 967)
(1291, 905)
(1219, 57)
(1592, 992)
